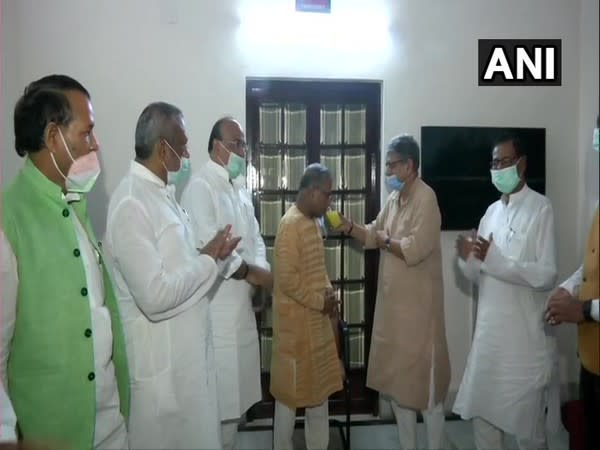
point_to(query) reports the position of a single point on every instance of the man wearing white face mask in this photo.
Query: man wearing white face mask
(162, 275)
(510, 384)
(63, 351)
(577, 300)
(217, 196)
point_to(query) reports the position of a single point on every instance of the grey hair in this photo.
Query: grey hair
(314, 176)
(406, 147)
(155, 122)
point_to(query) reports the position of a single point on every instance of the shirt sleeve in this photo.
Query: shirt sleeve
(199, 203)
(425, 231)
(8, 305)
(261, 249)
(161, 290)
(288, 273)
(537, 274)
(471, 268)
(573, 283)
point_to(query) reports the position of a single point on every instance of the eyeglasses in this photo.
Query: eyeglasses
(503, 162)
(392, 164)
(240, 144)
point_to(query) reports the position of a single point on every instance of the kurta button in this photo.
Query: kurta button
(87, 332)
(84, 291)
(65, 212)
(584, 279)
(99, 244)
(76, 252)
(91, 376)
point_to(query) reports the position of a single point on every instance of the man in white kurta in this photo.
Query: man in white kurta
(216, 196)
(161, 283)
(509, 384)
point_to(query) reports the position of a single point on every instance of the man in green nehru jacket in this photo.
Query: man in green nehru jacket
(62, 353)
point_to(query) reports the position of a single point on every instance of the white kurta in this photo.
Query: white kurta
(510, 374)
(213, 202)
(161, 282)
(110, 431)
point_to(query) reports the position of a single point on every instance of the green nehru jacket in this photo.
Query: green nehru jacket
(51, 362)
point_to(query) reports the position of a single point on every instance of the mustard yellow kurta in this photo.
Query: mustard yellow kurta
(408, 327)
(305, 368)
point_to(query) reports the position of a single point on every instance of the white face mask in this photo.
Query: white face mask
(596, 140)
(84, 171)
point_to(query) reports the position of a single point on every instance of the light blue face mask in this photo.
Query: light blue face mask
(507, 179)
(596, 139)
(236, 166)
(180, 176)
(393, 183)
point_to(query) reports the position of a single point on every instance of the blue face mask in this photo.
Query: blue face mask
(393, 183)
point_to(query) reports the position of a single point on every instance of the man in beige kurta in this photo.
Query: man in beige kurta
(408, 360)
(305, 368)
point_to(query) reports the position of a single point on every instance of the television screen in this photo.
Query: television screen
(455, 162)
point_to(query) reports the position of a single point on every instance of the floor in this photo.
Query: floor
(377, 437)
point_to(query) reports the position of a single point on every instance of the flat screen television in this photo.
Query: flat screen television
(455, 162)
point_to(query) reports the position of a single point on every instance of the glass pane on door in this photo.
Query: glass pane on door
(333, 253)
(354, 306)
(332, 159)
(355, 168)
(354, 261)
(270, 213)
(294, 124)
(331, 124)
(294, 163)
(270, 169)
(266, 341)
(354, 207)
(357, 348)
(270, 123)
(355, 124)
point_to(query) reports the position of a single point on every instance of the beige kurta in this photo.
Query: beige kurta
(305, 368)
(408, 326)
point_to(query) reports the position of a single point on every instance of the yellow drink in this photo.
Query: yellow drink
(334, 219)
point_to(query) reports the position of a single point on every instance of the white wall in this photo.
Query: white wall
(129, 53)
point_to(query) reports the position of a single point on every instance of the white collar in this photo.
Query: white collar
(141, 171)
(217, 168)
(518, 196)
(71, 197)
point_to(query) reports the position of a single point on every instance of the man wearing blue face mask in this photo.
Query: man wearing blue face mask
(510, 384)
(63, 352)
(216, 196)
(162, 276)
(408, 361)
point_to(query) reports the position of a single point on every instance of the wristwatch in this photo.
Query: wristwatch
(388, 243)
(587, 310)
